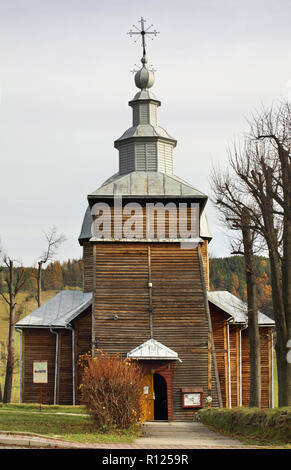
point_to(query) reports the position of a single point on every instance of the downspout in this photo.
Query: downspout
(240, 370)
(73, 361)
(20, 363)
(272, 370)
(56, 364)
(228, 367)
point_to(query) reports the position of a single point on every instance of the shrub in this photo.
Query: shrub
(273, 424)
(111, 391)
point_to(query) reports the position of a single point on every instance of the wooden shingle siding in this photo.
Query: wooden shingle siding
(179, 318)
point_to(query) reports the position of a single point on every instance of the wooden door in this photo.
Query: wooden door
(148, 397)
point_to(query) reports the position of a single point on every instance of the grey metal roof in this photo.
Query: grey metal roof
(144, 130)
(142, 183)
(58, 311)
(235, 307)
(145, 95)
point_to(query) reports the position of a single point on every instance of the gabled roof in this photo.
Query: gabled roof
(58, 311)
(236, 308)
(153, 350)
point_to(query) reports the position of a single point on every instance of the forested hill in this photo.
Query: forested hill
(228, 274)
(55, 276)
(225, 274)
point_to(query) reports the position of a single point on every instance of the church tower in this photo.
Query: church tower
(150, 287)
(145, 294)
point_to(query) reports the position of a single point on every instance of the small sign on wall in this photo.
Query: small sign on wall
(40, 372)
(192, 397)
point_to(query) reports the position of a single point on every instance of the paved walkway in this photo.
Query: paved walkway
(185, 435)
(157, 435)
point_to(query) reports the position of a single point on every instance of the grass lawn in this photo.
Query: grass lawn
(58, 422)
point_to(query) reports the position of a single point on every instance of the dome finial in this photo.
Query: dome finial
(144, 78)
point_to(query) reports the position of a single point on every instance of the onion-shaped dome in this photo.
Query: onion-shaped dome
(144, 78)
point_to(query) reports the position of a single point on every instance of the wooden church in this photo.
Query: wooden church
(146, 290)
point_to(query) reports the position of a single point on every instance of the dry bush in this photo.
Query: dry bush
(111, 390)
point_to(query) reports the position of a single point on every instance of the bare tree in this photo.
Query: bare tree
(270, 130)
(254, 166)
(14, 278)
(264, 168)
(53, 243)
(235, 208)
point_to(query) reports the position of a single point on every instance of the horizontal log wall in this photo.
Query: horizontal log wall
(143, 222)
(88, 267)
(38, 345)
(178, 317)
(135, 224)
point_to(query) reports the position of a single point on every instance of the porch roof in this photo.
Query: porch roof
(153, 350)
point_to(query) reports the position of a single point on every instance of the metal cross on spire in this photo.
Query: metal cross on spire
(143, 32)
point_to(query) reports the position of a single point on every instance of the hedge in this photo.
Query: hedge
(273, 424)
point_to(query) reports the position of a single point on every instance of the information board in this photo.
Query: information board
(40, 372)
(192, 399)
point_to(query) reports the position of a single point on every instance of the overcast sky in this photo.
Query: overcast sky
(65, 84)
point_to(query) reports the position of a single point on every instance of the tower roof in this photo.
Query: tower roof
(145, 152)
(143, 183)
(145, 146)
